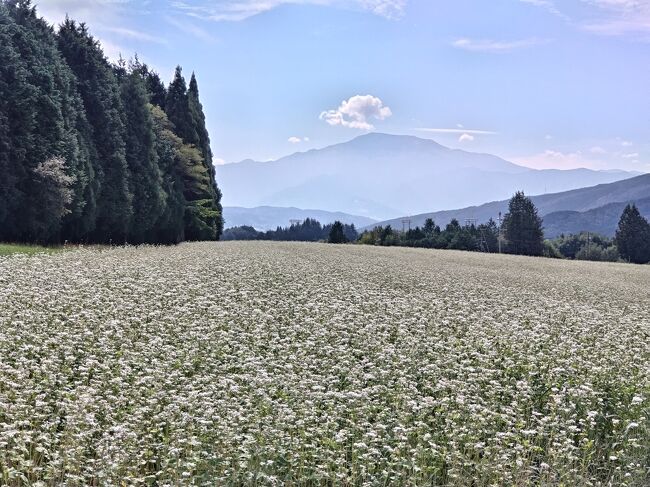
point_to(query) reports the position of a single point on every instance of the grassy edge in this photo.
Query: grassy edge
(11, 249)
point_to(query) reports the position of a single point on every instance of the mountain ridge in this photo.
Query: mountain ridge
(577, 200)
(264, 218)
(382, 176)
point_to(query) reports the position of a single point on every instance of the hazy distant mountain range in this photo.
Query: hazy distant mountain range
(596, 209)
(602, 220)
(382, 176)
(270, 217)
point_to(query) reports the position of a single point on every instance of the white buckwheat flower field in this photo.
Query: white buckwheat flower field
(311, 364)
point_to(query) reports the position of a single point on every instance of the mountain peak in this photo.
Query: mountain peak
(396, 141)
(383, 175)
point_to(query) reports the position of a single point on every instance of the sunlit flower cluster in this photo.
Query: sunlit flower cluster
(265, 363)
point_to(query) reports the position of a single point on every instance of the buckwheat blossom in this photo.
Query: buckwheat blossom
(263, 363)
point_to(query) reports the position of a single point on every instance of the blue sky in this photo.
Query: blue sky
(542, 83)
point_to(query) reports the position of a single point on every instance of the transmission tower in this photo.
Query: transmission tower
(406, 222)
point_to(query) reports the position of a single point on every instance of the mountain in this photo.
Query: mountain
(270, 217)
(602, 220)
(381, 176)
(577, 200)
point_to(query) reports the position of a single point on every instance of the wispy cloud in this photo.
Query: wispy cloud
(134, 34)
(489, 45)
(547, 5)
(455, 131)
(236, 10)
(191, 28)
(297, 140)
(624, 143)
(620, 18)
(607, 17)
(357, 112)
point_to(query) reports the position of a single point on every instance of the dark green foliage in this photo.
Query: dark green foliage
(584, 246)
(41, 117)
(336, 235)
(469, 237)
(309, 230)
(551, 251)
(100, 93)
(87, 153)
(633, 236)
(155, 86)
(244, 232)
(203, 143)
(202, 220)
(185, 112)
(522, 227)
(142, 161)
(178, 109)
(430, 228)
(170, 227)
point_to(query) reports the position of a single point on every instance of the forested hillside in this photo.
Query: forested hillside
(94, 152)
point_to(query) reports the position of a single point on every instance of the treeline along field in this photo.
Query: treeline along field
(266, 363)
(93, 152)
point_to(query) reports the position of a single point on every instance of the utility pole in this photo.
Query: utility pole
(499, 237)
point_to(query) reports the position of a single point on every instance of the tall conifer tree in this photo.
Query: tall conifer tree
(142, 160)
(100, 92)
(523, 227)
(203, 143)
(87, 153)
(633, 236)
(43, 116)
(203, 216)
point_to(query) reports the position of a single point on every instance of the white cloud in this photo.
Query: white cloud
(620, 18)
(466, 138)
(217, 161)
(235, 10)
(597, 150)
(488, 45)
(632, 155)
(357, 112)
(548, 137)
(95, 12)
(548, 5)
(456, 131)
(390, 9)
(104, 16)
(626, 143)
(609, 17)
(297, 140)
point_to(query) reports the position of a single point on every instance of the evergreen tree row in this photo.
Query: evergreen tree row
(309, 230)
(94, 152)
